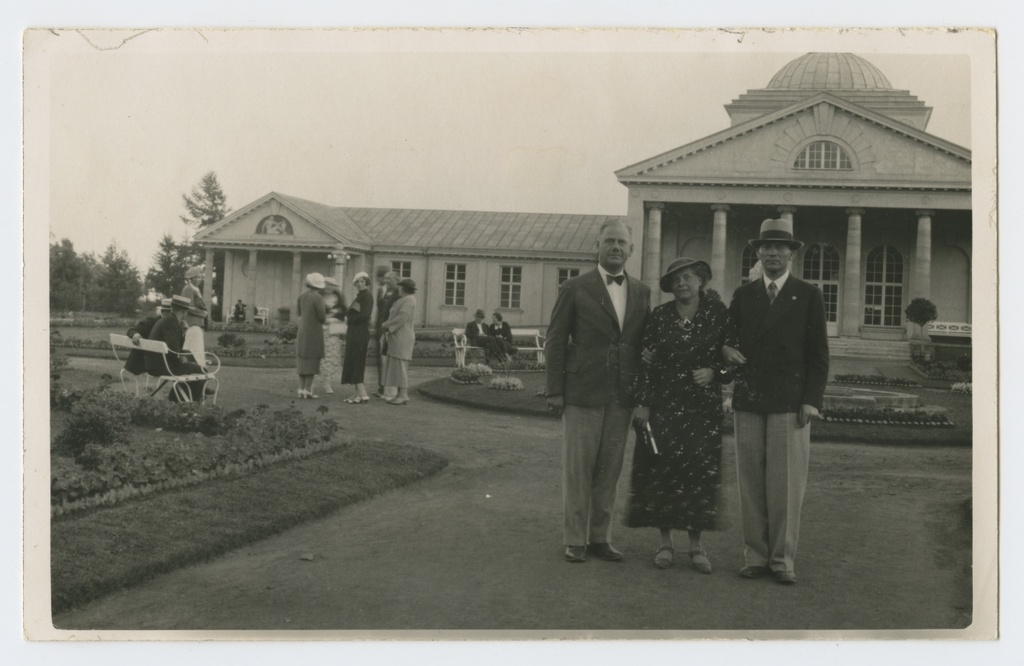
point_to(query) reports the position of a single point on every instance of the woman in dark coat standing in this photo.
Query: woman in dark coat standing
(309, 342)
(680, 393)
(358, 318)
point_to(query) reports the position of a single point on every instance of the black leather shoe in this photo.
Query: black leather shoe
(605, 551)
(784, 577)
(576, 553)
(753, 572)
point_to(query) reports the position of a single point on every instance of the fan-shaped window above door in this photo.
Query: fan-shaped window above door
(823, 155)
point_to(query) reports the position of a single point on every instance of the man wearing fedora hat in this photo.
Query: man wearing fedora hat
(592, 350)
(168, 330)
(779, 322)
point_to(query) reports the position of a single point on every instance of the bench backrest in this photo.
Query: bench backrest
(145, 345)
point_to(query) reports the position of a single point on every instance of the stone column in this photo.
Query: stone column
(923, 256)
(340, 258)
(852, 314)
(718, 241)
(297, 286)
(786, 213)
(651, 270)
(250, 294)
(208, 285)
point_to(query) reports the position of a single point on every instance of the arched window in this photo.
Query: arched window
(274, 225)
(747, 262)
(823, 155)
(821, 268)
(883, 287)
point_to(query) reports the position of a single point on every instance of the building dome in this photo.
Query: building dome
(829, 71)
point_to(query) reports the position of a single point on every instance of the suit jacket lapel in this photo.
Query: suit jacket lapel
(599, 292)
(783, 302)
(634, 303)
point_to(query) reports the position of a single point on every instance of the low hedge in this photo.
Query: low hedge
(887, 416)
(875, 380)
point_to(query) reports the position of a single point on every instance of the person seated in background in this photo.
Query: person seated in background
(502, 333)
(478, 334)
(136, 363)
(168, 330)
(238, 311)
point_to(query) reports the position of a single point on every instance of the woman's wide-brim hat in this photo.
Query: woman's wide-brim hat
(408, 284)
(678, 265)
(194, 272)
(316, 281)
(776, 231)
(361, 275)
(330, 282)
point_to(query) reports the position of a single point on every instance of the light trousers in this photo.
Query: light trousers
(593, 446)
(772, 456)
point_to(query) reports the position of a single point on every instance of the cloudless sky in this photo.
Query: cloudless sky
(133, 129)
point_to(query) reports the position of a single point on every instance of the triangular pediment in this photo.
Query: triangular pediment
(763, 151)
(274, 221)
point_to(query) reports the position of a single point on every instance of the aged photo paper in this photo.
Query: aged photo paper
(119, 123)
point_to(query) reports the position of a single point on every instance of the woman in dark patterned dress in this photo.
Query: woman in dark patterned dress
(680, 393)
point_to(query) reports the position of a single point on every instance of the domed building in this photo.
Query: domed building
(883, 207)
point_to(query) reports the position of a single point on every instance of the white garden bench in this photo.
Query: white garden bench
(459, 336)
(179, 383)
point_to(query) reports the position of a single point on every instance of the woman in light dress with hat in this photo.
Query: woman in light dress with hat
(401, 337)
(679, 393)
(309, 342)
(334, 302)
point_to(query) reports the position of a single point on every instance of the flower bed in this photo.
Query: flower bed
(507, 384)
(875, 380)
(894, 417)
(961, 387)
(115, 445)
(465, 375)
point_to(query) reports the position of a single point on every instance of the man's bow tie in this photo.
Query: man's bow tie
(617, 279)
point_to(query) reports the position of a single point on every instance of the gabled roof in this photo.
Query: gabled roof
(635, 172)
(399, 228)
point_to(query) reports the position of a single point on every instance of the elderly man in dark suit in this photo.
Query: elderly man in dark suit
(779, 322)
(387, 294)
(592, 350)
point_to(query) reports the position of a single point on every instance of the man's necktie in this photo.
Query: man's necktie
(773, 291)
(617, 279)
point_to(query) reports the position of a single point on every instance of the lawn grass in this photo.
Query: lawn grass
(99, 551)
(957, 406)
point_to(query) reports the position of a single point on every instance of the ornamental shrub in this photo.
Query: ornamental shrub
(230, 340)
(465, 375)
(101, 417)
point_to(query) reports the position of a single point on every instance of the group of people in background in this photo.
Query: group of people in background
(611, 361)
(325, 318)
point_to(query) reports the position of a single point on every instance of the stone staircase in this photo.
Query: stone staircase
(890, 350)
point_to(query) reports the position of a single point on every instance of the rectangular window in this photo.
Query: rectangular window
(566, 273)
(455, 284)
(830, 294)
(511, 286)
(402, 268)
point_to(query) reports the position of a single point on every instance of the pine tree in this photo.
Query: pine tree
(118, 284)
(167, 274)
(207, 205)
